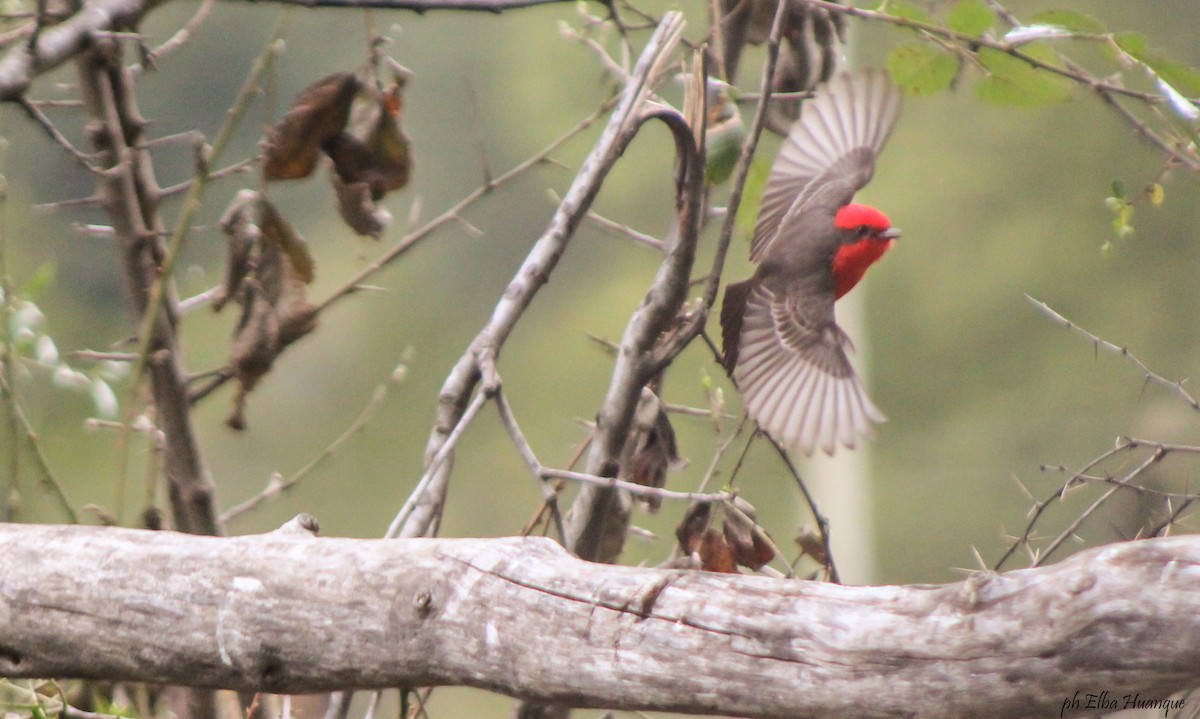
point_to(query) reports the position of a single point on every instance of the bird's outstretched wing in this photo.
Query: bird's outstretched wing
(829, 153)
(789, 362)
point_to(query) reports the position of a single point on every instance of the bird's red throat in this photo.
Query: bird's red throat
(852, 260)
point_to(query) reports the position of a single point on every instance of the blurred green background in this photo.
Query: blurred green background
(980, 388)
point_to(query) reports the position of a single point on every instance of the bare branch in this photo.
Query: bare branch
(982, 41)
(597, 521)
(49, 479)
(1073, 527)
(128, 188)
(35, 113)
(63, 42)
(422, 498)
(538, 264)
(694, 325)
(818, 517)
(1039, 508)
(181, 36)
(1100, 344)
(640, 237)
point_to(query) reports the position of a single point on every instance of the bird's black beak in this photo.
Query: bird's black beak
(890, 233)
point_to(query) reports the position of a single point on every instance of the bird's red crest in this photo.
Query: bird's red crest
(852, 217)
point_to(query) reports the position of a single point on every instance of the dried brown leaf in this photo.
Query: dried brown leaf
(810, 543)
(277, 230)
(319, 112)
(692, 527)
(254, 348)
(376, 150)
(358, 209)
(275, 306)
(749, 543)
(715, 553)
(238, 224)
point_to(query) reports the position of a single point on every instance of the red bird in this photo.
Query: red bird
(783, 347)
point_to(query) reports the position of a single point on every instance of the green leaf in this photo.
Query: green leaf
(1133, 43)
(1183, 78)
(971, 17)
(1118, 189)
(756, 184)
(921, 69)
(41, 278)
(1014, 82)
(1076, 22)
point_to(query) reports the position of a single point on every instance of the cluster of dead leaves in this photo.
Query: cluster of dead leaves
(740, 541)
(267, 268)
(357, 126)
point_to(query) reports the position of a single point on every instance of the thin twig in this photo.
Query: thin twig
(1040, 507)
(1169, 521)
(981, 41)
(1100, 344)
(542, 259)
(40, 461)
(629, 232)
(95, 356)
(1107, 95)
(35, 113)
(237, 168)
(666, 353)
(549, 495)
(435, 464)
(276, 485)
(179, 39)
(639, 490)
(1079, 520)
(822, 522)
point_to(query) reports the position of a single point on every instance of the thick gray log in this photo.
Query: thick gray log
(289, 612)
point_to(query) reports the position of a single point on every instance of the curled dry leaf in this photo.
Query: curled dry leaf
(370, 159)
(810, 543)
(749, 543)
(358, 209)
(279, 233)
(376, 150)
(319, 113)
(716, 554)
(273, 267)
(238, 224)
(691, 528)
